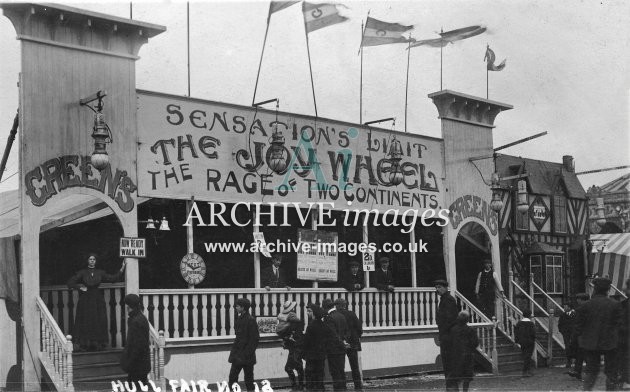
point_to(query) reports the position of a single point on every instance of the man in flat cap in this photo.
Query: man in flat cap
(243, 353)
(597, 328)
(354, 282)
(446, 318)
(135, 359)
(384, 278)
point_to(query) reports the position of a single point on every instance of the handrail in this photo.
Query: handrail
(56, 354)
(488, 342)
(306, 290)
(547, 296)
(531, 300)
(157, 343)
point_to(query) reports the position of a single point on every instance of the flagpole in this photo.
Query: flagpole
(361, 79)
(308, 51)
(407, 84)
(441, 48)
(188, 42)
(261, 56)
(487, 94)
(130, 10)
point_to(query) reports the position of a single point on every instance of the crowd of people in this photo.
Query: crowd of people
(598, 328)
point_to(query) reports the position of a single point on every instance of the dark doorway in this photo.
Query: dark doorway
(471, 248)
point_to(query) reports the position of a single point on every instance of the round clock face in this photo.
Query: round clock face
(193, 268)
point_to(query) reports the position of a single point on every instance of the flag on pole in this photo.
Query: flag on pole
(451, 36)
(317, 16)
(382, 33)
(276, 6)
(490, 58)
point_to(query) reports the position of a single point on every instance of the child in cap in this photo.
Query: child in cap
(525, 337)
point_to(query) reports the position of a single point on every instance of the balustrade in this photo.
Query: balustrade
(55, 350)
(205, 312)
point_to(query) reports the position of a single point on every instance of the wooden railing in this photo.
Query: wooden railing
(55, 350)
(534, 289)
(62, 302)
(210, 312)
(156, 347)
(486, 331)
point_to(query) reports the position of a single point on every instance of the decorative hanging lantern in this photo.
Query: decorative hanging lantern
(150, 224)
(101, 135)
(164, 225)
(395, 156)
(521, 204)
(277, 162)
(496, 204)
(601, 211)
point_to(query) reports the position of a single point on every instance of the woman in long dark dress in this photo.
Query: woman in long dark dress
(90, 322)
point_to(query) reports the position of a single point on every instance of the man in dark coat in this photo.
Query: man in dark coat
(135, 359)
(243, 353)
(580, 299)
(525, 337)
(273, 276)
(597, 326)
(336, 347)
(445, 319)
(383, 274)
(356, 331)
(316, 337)
(354, 281)
(462, 344)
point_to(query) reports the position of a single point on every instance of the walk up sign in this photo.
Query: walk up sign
(133, 247)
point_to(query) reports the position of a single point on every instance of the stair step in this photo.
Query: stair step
(98, 383)
(91, 357)
(96, 369)
(509, 357)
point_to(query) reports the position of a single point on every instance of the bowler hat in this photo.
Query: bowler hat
(354, 263)
(440, 282)
(327, 304)
(602, 283)
(383, 260)
(132, 300)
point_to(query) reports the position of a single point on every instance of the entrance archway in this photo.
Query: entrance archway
(472, 246)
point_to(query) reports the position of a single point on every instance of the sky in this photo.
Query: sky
(567, 69)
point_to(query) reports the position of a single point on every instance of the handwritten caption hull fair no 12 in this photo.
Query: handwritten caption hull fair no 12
(220, 152)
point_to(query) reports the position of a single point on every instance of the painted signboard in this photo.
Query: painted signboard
(221, 153)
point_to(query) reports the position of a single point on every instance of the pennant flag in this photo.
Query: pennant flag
(276, 6)
(383, 33)
(317, 16)
(490, 57)
(447, 37)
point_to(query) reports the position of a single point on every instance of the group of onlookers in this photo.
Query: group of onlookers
(333, 333)
(596, 328)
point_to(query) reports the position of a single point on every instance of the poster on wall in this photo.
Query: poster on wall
(317, 256)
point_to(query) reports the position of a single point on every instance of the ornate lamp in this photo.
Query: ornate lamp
(100, 131)
(395, 156)
(521, 202)
(600, 209)
(496, 204)
(277, 162)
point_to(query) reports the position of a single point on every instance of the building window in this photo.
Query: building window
(559, 214)
(535, 267)
(547, 275)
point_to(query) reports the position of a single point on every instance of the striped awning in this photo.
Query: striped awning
(611, 257)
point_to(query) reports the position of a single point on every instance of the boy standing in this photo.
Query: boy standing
(525, 334)
(290, 329)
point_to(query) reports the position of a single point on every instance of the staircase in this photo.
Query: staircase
(509, 355)
(559, 356)
(94, 371)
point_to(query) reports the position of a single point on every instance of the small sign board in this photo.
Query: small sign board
(368, 261)
(133, 247)
(267, 324)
